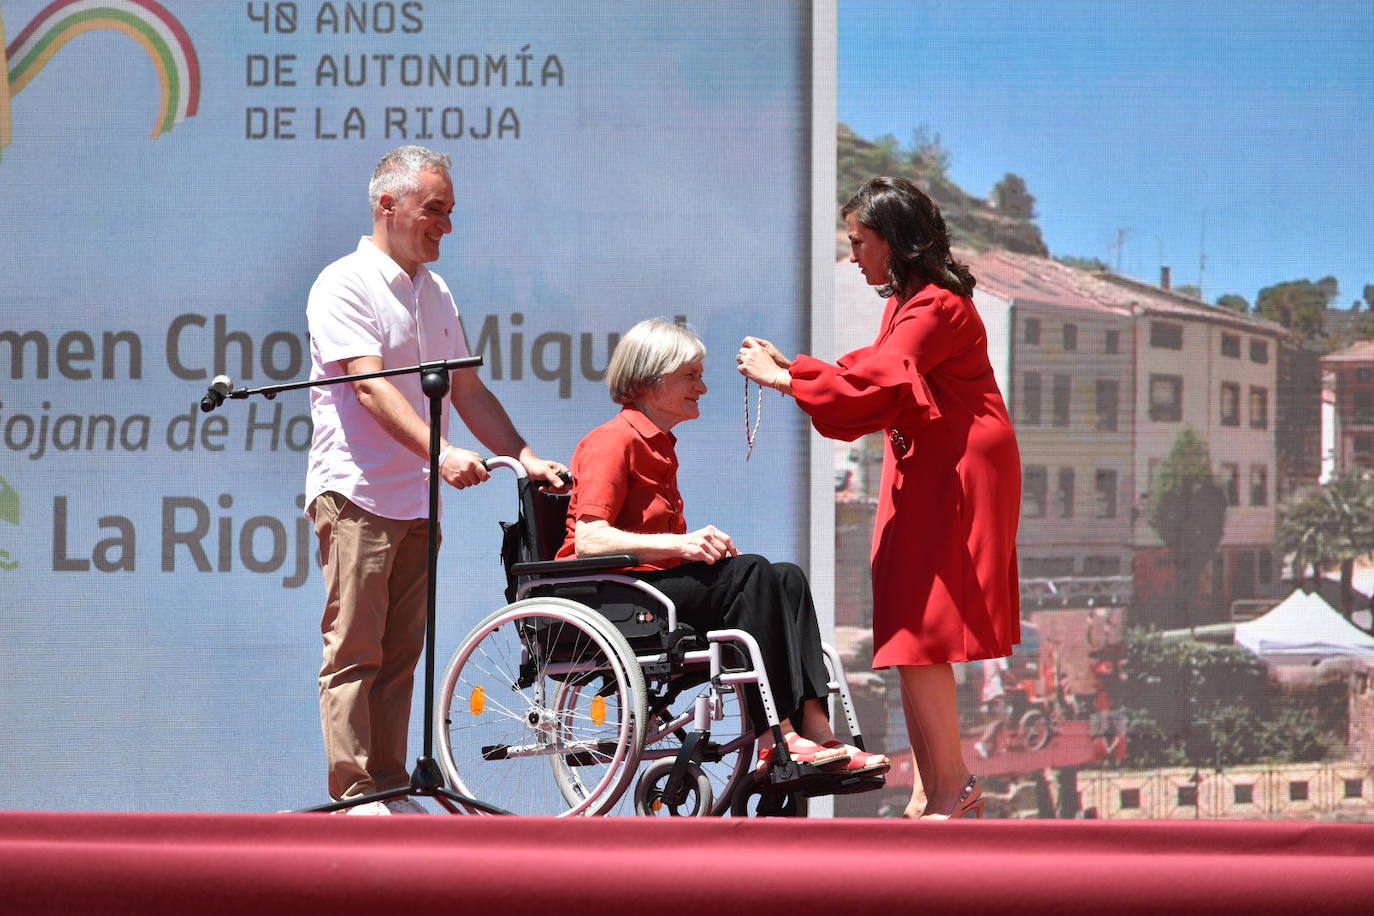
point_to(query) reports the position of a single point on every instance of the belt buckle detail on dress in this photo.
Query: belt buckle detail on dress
(898, 440)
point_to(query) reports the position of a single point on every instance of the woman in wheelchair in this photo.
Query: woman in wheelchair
(625, 500)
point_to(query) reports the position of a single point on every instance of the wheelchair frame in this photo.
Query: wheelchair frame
(548, 685)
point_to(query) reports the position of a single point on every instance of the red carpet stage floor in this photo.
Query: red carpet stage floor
(203, 864)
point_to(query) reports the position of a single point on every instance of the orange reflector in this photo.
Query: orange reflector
(598, 710)
(478, 703)
(657, 805)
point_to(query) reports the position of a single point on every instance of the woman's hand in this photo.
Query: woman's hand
(707, 545)
(782, 362)
(761, 362)
(594, 537)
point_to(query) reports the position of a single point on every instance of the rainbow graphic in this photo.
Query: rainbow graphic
(145, 21)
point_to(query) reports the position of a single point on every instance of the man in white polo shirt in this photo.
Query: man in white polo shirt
(367, 485)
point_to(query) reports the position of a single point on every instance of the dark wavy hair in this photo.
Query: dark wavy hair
(915, 231)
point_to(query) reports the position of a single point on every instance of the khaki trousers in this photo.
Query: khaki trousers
(374, 632)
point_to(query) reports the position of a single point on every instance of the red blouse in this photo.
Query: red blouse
(625, 474)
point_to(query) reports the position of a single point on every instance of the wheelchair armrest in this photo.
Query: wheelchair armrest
(576, 567)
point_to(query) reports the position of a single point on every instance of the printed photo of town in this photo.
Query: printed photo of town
(1195, 414)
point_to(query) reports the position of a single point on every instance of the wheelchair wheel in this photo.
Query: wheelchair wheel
(542, 688)
(731, 738)
(751, 801)
(581, 700)
(1036, 730)
(693, 801)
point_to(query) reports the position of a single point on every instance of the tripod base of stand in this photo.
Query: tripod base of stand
(426, 781)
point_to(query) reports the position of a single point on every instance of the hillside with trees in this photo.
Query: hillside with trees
(1003, 220)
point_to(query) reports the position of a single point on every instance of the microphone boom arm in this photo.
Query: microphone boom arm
(271, 391)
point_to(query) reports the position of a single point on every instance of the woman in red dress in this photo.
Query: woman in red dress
(945, 585)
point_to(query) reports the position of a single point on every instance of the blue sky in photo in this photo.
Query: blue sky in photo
(1231, 141)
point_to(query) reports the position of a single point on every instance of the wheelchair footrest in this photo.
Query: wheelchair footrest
(848, 784)
(809, 780)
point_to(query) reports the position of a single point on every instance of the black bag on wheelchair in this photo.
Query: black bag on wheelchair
(536, 534)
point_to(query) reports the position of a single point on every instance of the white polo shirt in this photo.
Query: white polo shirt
(364, 304)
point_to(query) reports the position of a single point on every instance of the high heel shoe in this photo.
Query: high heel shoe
(969, 803)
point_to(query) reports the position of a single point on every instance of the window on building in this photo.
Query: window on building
(1230, 404)
(1063, 494)
(1259, 485)
(1166, 335)
(1230, 345)
(1046, 567)
(1244, 793)
(1112, 342)
(1259, 351)
(1354, 788)
(1032, 331)
(1101, 566)
(1259, 407)
(1033, 491)
(1362, 399)
(1242, 575)
(1166, 398)
(1030, 398)
(1297, 790)
(1231, 483)
(1070, 336)
(1104, 484)
(1187, 796)
(1364, 374)
(1363, 448)
(1062, 389)
(1130, 798)
(1108, 402)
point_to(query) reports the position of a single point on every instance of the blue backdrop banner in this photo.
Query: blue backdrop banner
(177, 175)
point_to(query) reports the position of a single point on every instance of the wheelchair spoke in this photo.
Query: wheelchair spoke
(541, 711)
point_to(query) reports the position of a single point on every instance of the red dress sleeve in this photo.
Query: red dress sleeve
(868, 389)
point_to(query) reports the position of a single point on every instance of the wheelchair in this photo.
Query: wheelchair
(584, 696)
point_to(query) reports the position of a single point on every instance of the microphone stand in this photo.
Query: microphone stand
(427, 778)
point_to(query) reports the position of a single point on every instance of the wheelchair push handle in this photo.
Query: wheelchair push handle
(512, 464)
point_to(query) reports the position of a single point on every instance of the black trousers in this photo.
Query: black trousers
(769, 601)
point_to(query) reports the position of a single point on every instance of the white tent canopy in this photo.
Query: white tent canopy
(1303, 628)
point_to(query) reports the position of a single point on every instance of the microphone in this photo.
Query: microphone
(219, 390)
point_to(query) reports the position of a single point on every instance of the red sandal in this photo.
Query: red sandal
(819, 755)
(861, 761)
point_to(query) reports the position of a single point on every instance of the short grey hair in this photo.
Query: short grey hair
(652, 349)
(399, 172)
